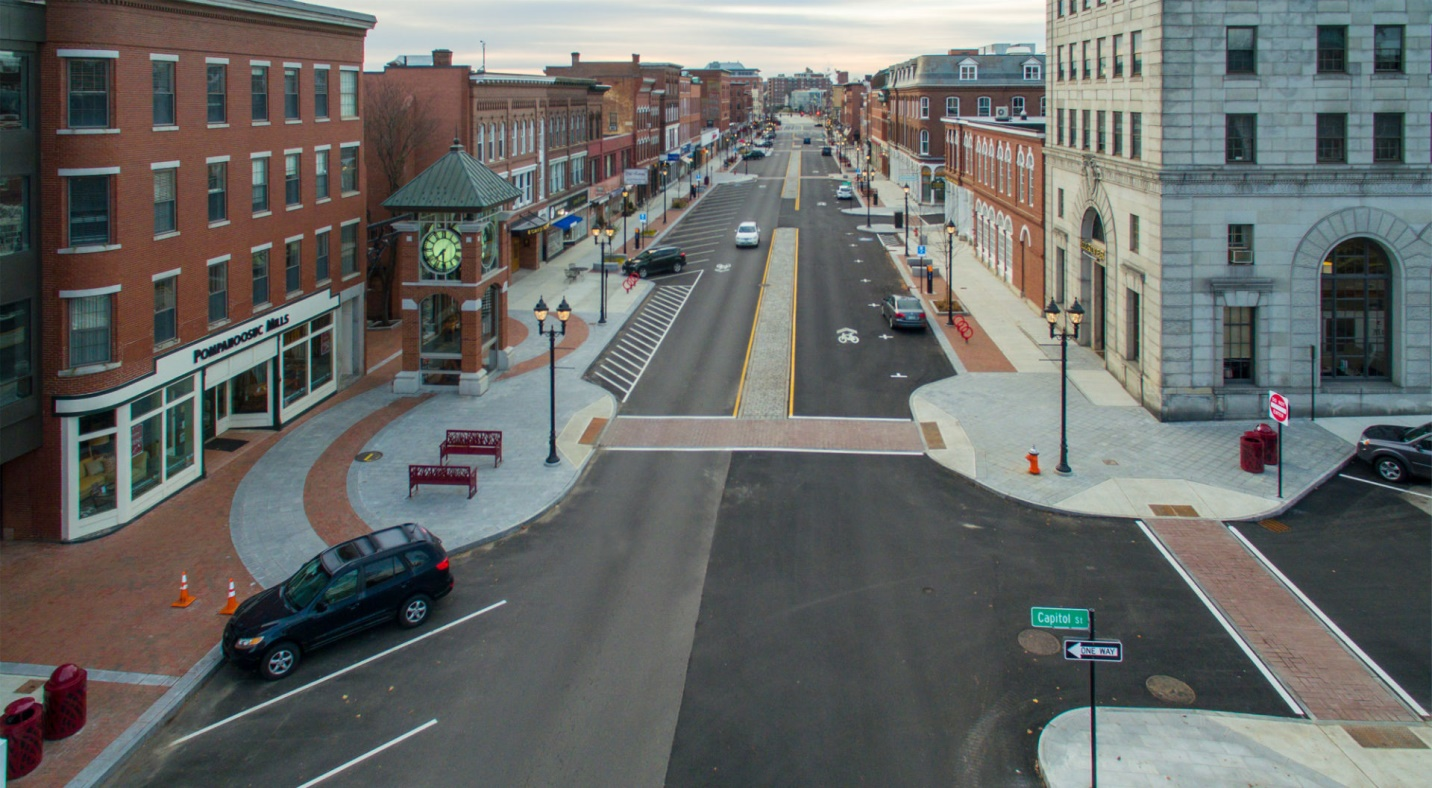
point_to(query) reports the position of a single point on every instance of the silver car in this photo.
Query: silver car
(844, 192)
(748, 234)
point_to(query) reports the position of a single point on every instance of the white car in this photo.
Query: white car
(748, 234)
(844, 192)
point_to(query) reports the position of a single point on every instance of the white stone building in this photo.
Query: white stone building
(1239, 193)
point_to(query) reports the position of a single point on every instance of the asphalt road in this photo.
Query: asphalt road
(1362, 552)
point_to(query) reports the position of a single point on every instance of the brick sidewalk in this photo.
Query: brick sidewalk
(1312, 664)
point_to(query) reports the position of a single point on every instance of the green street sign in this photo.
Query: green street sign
(1059, 617)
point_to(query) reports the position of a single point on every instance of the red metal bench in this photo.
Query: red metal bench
(486, 442)
(459, 475)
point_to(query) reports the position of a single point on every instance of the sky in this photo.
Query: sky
(775, 36)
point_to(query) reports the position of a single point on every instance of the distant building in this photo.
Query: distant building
(745, 90)
(778, 88)
(1240, 196)
(997, 81)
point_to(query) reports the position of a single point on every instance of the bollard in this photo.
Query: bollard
(1033, 457)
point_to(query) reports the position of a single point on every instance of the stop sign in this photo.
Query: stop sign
(1278, 407)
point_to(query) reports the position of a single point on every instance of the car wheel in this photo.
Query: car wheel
(279, 661)
(677, 266)
(414, 611)
(1390, 469)
(641, 272)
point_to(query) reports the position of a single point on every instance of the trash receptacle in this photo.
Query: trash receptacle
(1269, 437)
(1250, 452)
(22, 729)
(66, 701)
(899, 219)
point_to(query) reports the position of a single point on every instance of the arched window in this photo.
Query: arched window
(924, 143)
(481, 139)
(1021, 174)
(1356, 292)
(502, 141)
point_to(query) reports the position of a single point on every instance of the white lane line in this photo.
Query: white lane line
(365, 756)
(1384, 486)
(854, 418)
(1227, 625)
(1328, 622)
(335, 674)
(620, 386)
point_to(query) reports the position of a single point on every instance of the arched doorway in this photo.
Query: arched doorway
(1356, 286)
(440, 341)
(1093, 276)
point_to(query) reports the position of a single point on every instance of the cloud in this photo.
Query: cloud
(781, 36)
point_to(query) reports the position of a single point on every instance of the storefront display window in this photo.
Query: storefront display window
(295, 372)
(179, 427)
(251, 391)
(321, 348)
(144, 442)
(97, 469)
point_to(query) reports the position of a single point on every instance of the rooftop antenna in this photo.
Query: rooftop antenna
(484, 56)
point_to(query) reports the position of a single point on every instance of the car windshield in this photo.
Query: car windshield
(305, 584)
(748, 227)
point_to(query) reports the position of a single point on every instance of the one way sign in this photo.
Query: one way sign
(1096, 650)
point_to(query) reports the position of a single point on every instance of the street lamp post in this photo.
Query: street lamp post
(563, 312)
(1064, 334)
(869, 185)
(603, 236)
(949, 273)
(906, 189)
(625, 192)
(664, 170)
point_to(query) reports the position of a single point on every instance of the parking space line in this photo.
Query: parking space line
(1327, 622)
(334, 675)
(1383, 486)
(365, 756)
(1227, 625)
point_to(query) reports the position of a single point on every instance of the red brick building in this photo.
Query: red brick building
(202, 268)
(994, 170)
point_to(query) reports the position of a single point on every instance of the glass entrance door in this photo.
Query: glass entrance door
(216, 411)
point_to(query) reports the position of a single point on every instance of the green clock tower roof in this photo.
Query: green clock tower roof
(457, 183)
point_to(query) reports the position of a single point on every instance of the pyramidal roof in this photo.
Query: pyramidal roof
(456, 182)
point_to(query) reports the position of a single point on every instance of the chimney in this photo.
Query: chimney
(635, 58)
(442, 57)
(576, 58)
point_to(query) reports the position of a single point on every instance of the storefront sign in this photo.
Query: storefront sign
(634, 177)
(239, 339)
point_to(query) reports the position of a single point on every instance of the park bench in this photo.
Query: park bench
(458, 475)
(482, 442)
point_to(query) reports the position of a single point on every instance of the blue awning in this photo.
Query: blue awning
(566, 222)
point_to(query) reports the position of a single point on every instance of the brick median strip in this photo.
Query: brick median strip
(1329, 681)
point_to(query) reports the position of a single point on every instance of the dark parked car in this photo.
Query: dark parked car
(903, 311)
(1397, 452)
(807, 141)
(656, 260)
(754, 153)
(388, 575)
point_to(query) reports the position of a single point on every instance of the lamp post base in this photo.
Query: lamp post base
(1063, 470)
(553, 461)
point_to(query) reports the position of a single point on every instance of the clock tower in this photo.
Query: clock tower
(453, 274)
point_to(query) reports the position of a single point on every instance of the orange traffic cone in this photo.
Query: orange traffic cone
(233, 603)
(184, 599)
(1033, 457)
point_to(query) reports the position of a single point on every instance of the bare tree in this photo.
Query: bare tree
(396, 124)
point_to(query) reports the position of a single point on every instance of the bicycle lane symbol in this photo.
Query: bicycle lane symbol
(847, 336)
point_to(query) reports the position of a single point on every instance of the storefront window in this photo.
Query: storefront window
(441, 325)
(251, 391)
(179, 427)
(321, 348)
(295, 372)
(144, 442)
(96, 464)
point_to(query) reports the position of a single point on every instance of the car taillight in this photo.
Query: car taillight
(900, 315)
(443, 564)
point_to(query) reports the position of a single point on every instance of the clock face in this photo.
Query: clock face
(442, 250)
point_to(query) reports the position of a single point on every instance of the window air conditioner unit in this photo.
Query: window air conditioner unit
(1001, 112)
(1240, 256)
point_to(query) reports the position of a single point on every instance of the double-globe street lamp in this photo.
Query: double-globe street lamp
(906, 189)
(1074, 315)
(869, 187)
(625, 192)
(664, 170)
(563, 312)
(603, 236)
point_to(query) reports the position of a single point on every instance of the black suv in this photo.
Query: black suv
(392, 574)
(656, 260)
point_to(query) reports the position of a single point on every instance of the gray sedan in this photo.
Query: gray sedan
(1397, 452)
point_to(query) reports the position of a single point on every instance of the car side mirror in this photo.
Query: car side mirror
(320, 607)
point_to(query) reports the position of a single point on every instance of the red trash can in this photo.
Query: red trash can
(66, 701)
(1250, 452)
(23, 731)
(1269, 436)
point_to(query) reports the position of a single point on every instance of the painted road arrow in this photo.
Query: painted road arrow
(1096, 650)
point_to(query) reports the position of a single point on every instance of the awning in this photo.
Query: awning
(528, 225)
(566, 222)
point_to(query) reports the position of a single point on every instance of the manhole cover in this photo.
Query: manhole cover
(1170, 690)
(1037, 641)
(369, 456)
